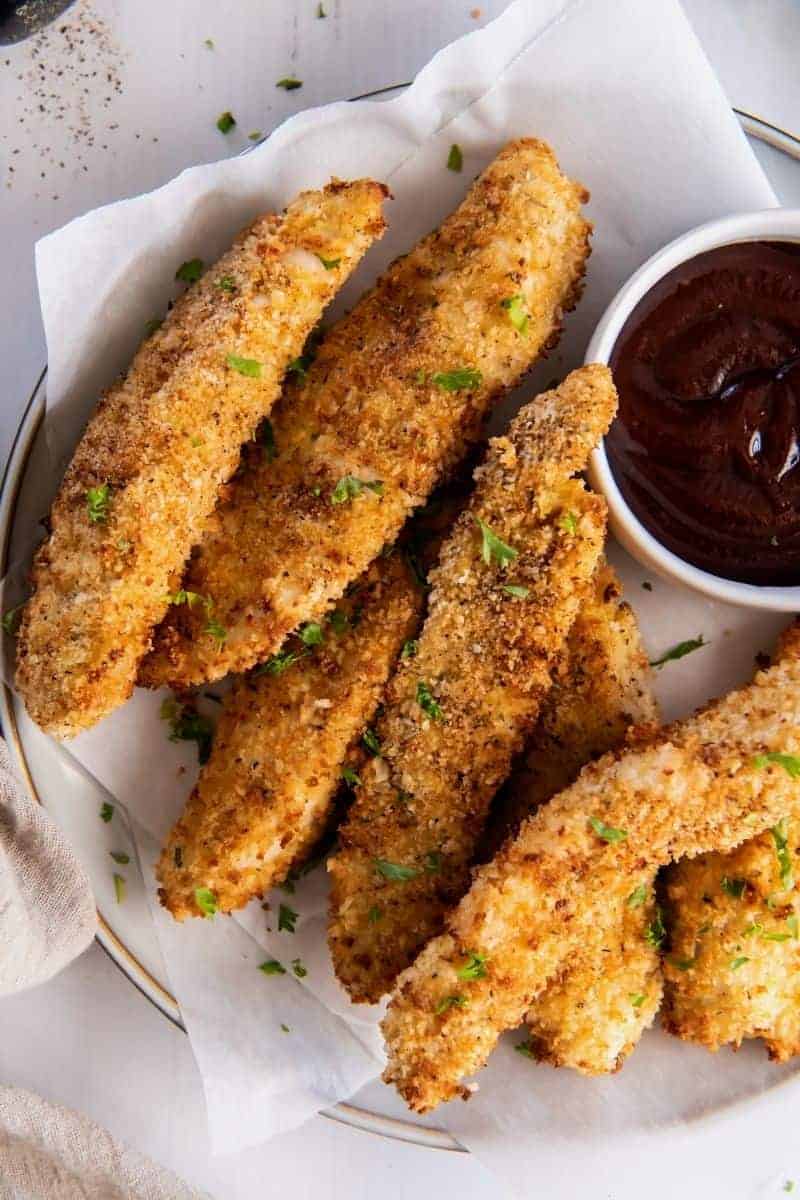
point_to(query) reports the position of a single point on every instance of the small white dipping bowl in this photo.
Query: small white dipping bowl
(771, 225)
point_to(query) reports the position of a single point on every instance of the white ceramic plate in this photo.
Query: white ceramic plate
(74, 798)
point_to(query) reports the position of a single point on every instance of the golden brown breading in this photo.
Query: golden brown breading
(146, 473)
(267, 791)
(701, 785)
(398, 391)
(459, 710)
(592, 1017)
(733, 971)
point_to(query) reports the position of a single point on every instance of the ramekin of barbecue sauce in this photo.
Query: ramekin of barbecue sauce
(702, 464)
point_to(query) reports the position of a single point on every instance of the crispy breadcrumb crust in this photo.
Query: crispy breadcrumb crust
(459, 710)
(279, 551)
(698, 786)
(267, 791)
(733, 970)
(593, 1016)
(162, 440)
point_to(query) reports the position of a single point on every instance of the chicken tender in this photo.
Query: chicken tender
(504, 595)
(592, 1017)
(733, 971)
(708, 783)
(286, 731)
(398, 391)
(147, 471)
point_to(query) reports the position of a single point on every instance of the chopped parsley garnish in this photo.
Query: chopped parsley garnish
(97, 501)
(152, 326)
(182, 596)
(493, 548)
(516, 589)
(733, 887)
(458, 380)
(427, 702)
(789, 762)
(225, 283)
(285, 1028)
(780, 838)
(209, 44)
(349, 487)
(682, 964)
(515, 307)
(474, 967)
(794, 926)
(395, 871)
(120, 857)
(738, 962)
(789, 1185)
(190, 271)
(410, 648)
(525, 1048)
(455, 159)
(119, 888)
(299, 367)
(372, 742)
(226, 121)
(279, 663)
(289, 84)
(321, 14)
(11, 619)
(188, 725)
(245, 366)
(351, 777)
(329, 263)
(637, 999)
(271, 966)
(311, 634)
(216, 631)
(448, 1002)
(679, 651)
(255, 135)
(338, 621)
(607, 832)
(568, 521)
(298, 968)
(106, 812)
(433, 862)
(266, 438)
(655, 932)
(374, 915)
(637, 896)
(206, 901)
(287, 919)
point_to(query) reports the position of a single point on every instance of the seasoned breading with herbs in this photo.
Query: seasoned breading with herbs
(397, 392)
(707, 783)
(287, 737)
(504, 595)
(733, 968)
(593, 1016)
(147, 471)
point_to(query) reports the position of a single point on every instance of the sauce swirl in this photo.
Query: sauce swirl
(706, 446)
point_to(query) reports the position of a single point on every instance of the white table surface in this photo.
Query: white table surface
(88, 1039)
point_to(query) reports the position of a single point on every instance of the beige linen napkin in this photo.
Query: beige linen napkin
(47, 912)
(50, 1153)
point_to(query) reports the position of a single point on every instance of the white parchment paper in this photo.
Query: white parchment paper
(622, 91)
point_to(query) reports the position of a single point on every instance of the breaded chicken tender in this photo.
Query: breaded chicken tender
(706, 783)
(733, 970)
(398, 391)
(593, 1016)
(286, 730)
(504, 595)
(147, 471)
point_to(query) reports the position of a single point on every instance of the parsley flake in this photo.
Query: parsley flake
(266, 438)
(448, 1002)
(279, 663)
(374, 915)
(516, 589)
(637, 896)
(321, 14)
(348, 488)
(329, 263)
(298, 968)
(98, 500)
(738, 962)
(152, 325)
(682, 964)
(287, 919)
(255, 135)
(493, 548)
(679, 651)
(271, 966)
(607, 832)
(190, 271)
(474, 967)
(106, 812)
(338, 621)
(188, 725)
(396, 872)
(245, 366)
(637, 999)
(733, 887)
(311, 634)
(794, 926)
(410, 648)
(216, 631)
(525, 1049)
(789, 762)
(226, 121)
(515, 307)
(780, 838)
(206, 901)
(427, 702)
(289, 84)
(455, 159)
(351, 777)
(225, 283)
(11, 620)
(119, 857)
(119, 888)
(656, 932)
(458, 380)
(433, 862)
(569, 522)
(372, 742)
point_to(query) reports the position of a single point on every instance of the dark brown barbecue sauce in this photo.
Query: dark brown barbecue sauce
(706, 447)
